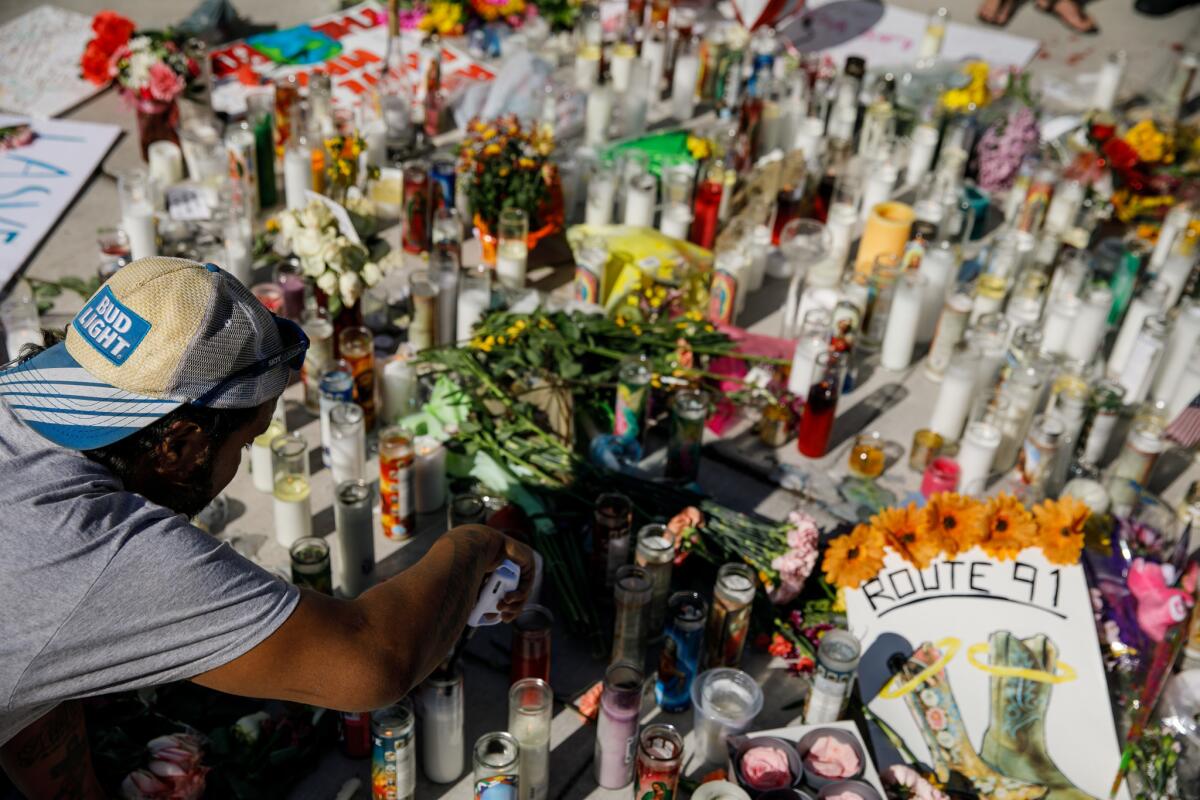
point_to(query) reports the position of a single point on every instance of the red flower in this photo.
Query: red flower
(1121, 156)
(780, 647)
(802, 666)
(112, 30)
(95, 64)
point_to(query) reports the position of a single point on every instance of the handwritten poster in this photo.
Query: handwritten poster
(39, 181)
(361, 36)
(886, 35)
(990, 672)
(40, 52)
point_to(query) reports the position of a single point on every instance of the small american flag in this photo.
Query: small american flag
(1185, 429)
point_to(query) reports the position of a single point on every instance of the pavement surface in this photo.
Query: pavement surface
(895, 403)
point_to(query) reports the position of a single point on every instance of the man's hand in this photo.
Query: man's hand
(354, 655)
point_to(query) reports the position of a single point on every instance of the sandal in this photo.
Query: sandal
(999, 13)
(1078, 22)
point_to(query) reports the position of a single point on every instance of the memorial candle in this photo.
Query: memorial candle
(474, 301)
(430, 475)
(442, 722)
(347, 443)
(1181, 344)
(659, 761)
(293, 511)
(976, 454)
(601, 191)
(617, 725)
(136, 193)
(655, 554)
(1091, 323)
(353, 523)
(632, 595)
(530, 709)
(531, 644)
(707, 207)
(816, 422)
(954, 397)
(901, 332)
(729, 616)
(640, 193)
(397, 507)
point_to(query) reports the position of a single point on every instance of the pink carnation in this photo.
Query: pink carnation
(804, 532)
(165, 85)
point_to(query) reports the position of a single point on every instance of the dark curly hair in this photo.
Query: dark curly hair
(122, 458)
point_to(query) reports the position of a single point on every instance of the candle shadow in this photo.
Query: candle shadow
(1168, 468)
(864, 413)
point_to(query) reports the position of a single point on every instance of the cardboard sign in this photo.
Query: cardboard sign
(39, 181)
(40, 52)
(361, 35)
(989, 669)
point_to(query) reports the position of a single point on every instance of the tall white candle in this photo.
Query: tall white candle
(473, 303)
(900, 336)
(587, 71)
(1061, 314)
(511, 258)
(355, 530)
(683, 86)
(804, 359)
(1185, 334)
(297, 177)
(1090, 324)
(938, 266)
(293, 510)
(262, 471)
(1022, 310)
(654, 54)
(375, 138)
(620, 69)
(954, 400)
(139, 225)
(598, 115)
(676, 221)
(165, 162)
(920, 153)
(640, 197)
(1144, 359)
(347, 443)
(809, 139)
(399, 388)
(976, 454)
(1108, 82)
(760, 251)
(1150, 301)
(430, 475)
(1176, 221)
(1060, 215)
(881, 180)
(239, 250)
(601, 190)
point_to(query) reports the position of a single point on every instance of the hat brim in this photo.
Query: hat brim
(71, 407)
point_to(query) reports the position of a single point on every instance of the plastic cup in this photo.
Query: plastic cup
(724, 701)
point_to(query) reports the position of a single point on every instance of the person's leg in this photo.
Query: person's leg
(1157, 8)
(996, 12)
(1071, 13)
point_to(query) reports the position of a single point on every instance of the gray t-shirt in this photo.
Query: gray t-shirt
(102, 590)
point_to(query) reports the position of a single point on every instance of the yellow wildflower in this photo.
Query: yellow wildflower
(1151, 144)
(490, 133)
(491, 150)
(620, 321)
(708, 329)
(637, 331)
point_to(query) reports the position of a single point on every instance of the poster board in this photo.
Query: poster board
(984, 619)
(361, 32)
(39, 181)
(40, 52)
(887, 35)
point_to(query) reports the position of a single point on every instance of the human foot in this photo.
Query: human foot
(997, 12)
(1071, 13)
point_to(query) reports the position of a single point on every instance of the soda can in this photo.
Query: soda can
(680, 659)
(393, 753)
(444, 180)
(336, 386)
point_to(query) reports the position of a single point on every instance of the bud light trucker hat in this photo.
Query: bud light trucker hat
(159, 333)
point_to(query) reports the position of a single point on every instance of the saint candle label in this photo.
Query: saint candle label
(111, 328)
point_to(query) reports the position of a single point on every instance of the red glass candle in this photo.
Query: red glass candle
(531, 644)
(416, 207)
(816, 422)
(940, 476)
(708, 206)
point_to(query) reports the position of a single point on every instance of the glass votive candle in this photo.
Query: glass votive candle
(113, 245)
(867, 456)
(531, 644)
(270, 295)
(940, 476)
(724, 701)
(925, 447)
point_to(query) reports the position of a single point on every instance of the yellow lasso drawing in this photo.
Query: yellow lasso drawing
(949, 647)
(1066, 672)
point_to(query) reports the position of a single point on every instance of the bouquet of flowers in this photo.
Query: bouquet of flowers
(150, 69)
(1150, 165)
(510, 167)
(174, 771)
(949, 524)
(339, 267)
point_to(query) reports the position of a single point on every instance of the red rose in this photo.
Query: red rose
(95, 65)
(112, 30)
(1121, 156)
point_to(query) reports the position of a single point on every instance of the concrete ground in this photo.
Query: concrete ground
(897, 404)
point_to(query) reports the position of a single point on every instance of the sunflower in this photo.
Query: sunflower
(952, 520)
(1010, 527)
(854, 558)
(900, 529)
(1060, 528)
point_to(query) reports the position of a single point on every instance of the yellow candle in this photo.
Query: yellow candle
(886, 231)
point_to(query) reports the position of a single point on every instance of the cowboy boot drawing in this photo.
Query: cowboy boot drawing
(936, 712)
(1015, 741)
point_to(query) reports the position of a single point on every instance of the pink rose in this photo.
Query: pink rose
(904, 781)
(830, 757)
(165, 85)
(766, 768)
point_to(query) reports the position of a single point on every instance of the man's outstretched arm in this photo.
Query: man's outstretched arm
(355, 655)
(50, 759)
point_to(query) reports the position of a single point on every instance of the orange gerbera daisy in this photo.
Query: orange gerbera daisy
(901, 530)
(1010, 527)
(854, 558)
(1060, 528)
(955, 521)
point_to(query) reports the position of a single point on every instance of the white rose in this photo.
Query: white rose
(351, 287)
(312, 267)
(371, 274)
(320, 214)
(331, 254)
(308, 215)
(307, 243)
(288, 225)
(328, 282)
